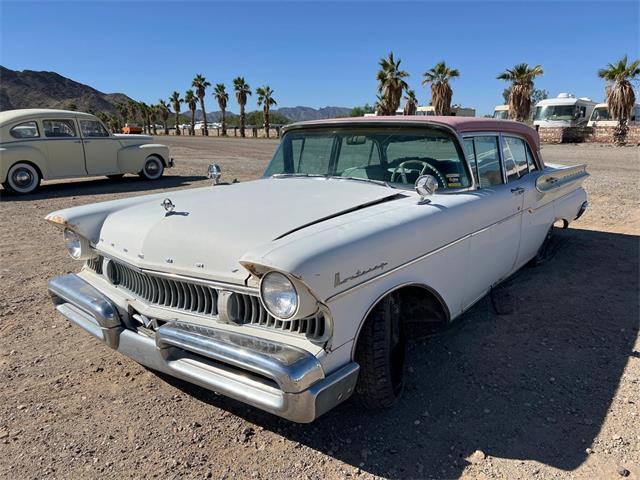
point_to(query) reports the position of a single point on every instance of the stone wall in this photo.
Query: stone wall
(586, 134)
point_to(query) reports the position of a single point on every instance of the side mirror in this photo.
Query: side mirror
(426, 185)
(214, 172)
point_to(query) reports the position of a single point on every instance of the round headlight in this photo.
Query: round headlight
(73, 243)
(278, 295)
(77, 246)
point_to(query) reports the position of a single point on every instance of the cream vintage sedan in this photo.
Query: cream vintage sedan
(41, 144)
(293, 292)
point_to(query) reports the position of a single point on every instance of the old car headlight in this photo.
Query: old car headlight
(279, 295)
(77, 246)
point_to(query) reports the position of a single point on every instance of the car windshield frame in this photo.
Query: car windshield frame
(282, 163)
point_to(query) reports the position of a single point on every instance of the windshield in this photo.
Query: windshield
(600, 113)
(393, 155)
(557, 112)
(501, 114)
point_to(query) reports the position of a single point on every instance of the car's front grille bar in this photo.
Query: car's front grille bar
(200, 299)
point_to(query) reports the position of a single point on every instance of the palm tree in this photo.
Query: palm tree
(145, 111)
(391, 83)
(154, 110)
(192, 102)
(266, 100)
(619, 93)
(163, 107)
(175, 102)
(123, 110)
(380, 107)
(242, 90)
(521, 77)
(221, 95)
(441, 92)
(200, 84)
(133, 110)
(411, 107)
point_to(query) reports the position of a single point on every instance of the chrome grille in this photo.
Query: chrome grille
(200, 299)
(95, 264)
(157, 290)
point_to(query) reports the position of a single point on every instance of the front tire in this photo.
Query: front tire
(381, 354)
(153, 168)
(22, 179)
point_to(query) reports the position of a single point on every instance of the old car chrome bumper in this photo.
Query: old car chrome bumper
(281, 379)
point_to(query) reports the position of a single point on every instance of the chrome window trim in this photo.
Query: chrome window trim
(500, 159)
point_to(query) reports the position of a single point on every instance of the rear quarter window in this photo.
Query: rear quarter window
(25, 130)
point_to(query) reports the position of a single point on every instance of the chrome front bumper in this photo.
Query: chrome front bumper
(278, 378)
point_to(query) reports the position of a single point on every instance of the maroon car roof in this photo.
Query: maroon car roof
(459, 124)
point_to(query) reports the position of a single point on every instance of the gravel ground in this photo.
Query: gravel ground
(549, 388)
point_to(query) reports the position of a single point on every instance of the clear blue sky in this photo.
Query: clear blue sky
(318, 53)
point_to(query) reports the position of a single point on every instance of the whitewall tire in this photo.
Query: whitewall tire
(22, 178)
(153, 168)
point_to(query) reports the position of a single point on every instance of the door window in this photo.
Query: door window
(92, 128)
(518, 158)
(59, 128)
(485, 160)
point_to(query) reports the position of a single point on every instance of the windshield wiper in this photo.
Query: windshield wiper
(283, 175)
(368, 180)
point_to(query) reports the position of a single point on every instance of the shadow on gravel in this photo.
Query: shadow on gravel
(534, 384)
(100, 186)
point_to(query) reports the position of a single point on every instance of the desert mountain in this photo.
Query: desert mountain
(31, 89)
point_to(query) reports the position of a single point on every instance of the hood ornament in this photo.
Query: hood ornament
(168, 205)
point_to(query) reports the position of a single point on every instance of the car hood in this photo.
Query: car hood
(211, 228)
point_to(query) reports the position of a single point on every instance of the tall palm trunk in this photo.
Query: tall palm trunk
(266, 120)
(242, 119)
(177, 122)
(166, 126)
(204, 114)
(224, 122)
(193, 123)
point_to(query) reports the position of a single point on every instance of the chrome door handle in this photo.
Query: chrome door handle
(517, 191)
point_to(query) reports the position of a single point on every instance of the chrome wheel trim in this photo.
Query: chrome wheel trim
(23, 178)
(153, 168)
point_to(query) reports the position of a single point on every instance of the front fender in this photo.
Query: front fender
(11, 154)
(131, 158)
(87, 220)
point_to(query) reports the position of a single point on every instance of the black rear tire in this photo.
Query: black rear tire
(543, 251)
(381, 354)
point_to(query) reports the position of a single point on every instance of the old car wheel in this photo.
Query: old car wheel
(22, 178)
(116, 176)
(153, 169)
(381, 355)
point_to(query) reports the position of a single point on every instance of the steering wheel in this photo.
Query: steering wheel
(400, 170)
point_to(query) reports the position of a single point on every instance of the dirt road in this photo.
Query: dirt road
(549, 388)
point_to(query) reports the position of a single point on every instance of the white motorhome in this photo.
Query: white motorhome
(563, 111)
(456, 111)
(600, 116)
(501, 112)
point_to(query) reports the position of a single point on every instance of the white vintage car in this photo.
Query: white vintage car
(295, 291)
(41, 144)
